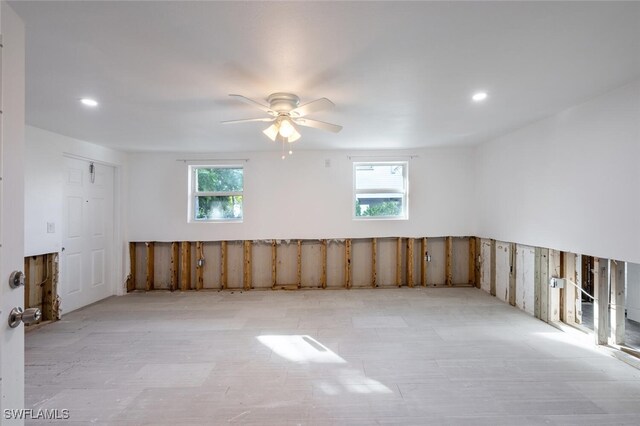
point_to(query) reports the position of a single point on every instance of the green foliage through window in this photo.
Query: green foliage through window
(217, 193)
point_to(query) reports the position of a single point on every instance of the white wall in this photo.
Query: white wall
(301, 198)
(44, 174)
(569, 182)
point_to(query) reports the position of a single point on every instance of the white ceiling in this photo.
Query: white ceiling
(401, 74)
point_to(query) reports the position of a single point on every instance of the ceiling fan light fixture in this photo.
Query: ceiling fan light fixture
(294, 136)
(286, 128)
(271, 132)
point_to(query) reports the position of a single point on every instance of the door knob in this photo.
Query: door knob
(28, 317)
(16, 279)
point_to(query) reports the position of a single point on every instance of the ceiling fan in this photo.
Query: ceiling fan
(285, 114)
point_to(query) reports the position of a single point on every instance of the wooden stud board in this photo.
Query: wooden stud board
(478, 263)
(141, 266)
(493, 267)
(199, 265)
(323, 255)
(299, 265)
(410, 256)
(601, 302)
(185, 266)
(554, 293)
(536, 284)
(374, 260)
(472, 261)
(448, 268)
(544, 284)
(578, 305)
(224, 265)
(618, 302)
(502, 269)
(274, 263)
(175, 266)
(27, 280)
(347, 263)
(150, 266)
(247, 282)
(423, 262)
(131, 282)
(570, 291)
(512, 274)
(399, 262)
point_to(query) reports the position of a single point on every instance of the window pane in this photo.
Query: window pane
(380, 176)
(219, 179)
(378, 205)
(212, 208)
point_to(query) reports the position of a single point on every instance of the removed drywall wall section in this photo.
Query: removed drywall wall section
(300, 198)
(540, 185)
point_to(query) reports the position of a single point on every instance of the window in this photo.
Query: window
(380, 190)
(216, 193)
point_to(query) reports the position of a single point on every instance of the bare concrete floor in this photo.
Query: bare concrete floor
(402, 356)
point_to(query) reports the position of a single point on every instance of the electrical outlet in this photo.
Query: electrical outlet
(51, 227)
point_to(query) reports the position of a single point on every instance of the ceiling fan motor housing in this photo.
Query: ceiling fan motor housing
(283, 102)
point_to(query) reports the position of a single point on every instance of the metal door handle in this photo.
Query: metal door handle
(28, 317)
(16, 279)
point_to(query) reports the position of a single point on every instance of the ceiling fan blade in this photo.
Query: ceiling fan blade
(248, 120)
(318, 124)
(255, 104)
(311, 107)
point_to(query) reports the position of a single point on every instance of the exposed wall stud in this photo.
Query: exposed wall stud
(185, 266)
(472, 261)
(374, 260)
(423, 262)
(601, 302)
(347, 263)
(448, 261)
(274, 261)
(512, 274)
(247, 268)
(399, 262)
(131, 284)
(554, 293)
(617, 272)
(150, 266)
(199, 265)
(175, 265)
(479, 263)
(569, 292)
(323, 255)
(28, 284)
(544, 285)
(410, 262)
(494, 256)
(224, 264)
(299, 272)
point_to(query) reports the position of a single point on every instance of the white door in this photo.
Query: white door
(11, 211)
(86, 267)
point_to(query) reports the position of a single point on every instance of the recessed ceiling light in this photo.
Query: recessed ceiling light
(479, 96)
(89, 102)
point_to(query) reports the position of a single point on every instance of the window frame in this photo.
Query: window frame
(404, 193)
(194, 193)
